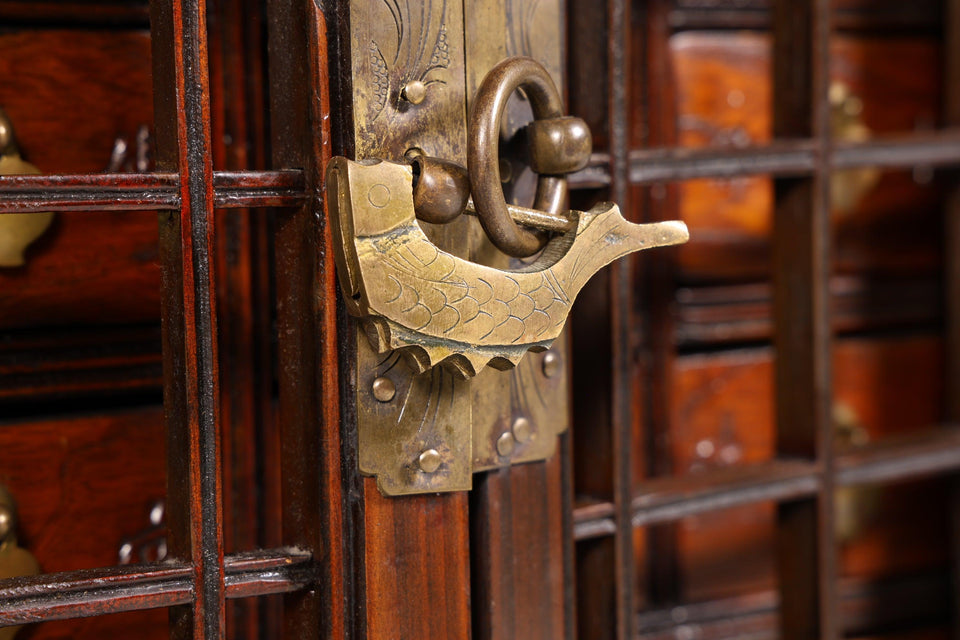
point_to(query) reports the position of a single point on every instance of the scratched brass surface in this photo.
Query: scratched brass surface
(396, 44)
(426, 428)
(497, 29)
(444, 310)
(447, 313)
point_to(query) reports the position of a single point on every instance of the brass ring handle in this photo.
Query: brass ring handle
(483, 152)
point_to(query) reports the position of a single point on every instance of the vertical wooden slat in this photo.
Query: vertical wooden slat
(244, 302)
(309, 411)
(951, 86)
(806, 550)
(182, 120)
(657, 128)
(591, 340)
(621, 283)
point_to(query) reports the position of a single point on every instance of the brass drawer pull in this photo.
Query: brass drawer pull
(17, 230)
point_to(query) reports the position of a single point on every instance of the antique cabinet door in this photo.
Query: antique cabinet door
(280, 522)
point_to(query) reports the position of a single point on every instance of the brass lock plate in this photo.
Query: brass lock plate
(414, 68)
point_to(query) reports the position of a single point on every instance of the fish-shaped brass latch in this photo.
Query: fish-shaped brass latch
(439, 309)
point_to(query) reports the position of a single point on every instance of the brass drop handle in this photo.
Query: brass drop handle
(438, 308)
(15, 561)
(17, 230)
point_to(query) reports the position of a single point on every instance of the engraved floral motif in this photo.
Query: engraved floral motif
(416, 49)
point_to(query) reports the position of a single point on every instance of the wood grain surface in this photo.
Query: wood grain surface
(70, 94)
(724, 100)
(82, 485)
(723, 412)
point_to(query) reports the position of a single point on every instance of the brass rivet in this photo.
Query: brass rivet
(551, 364)
(429, 461)
(414, 92)
(383, 389)
(505, 444)
(522, 429)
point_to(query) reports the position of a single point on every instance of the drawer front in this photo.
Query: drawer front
(83, 486)
(723, 96)
(70, 95)
(723, 415)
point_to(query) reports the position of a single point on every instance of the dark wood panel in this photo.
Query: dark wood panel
(517, 553)
(417, 565)
(82, 486)
(70, 94)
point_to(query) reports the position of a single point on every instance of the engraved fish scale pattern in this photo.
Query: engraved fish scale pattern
(476, 305)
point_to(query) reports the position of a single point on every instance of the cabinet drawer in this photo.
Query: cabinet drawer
(723, 415)
(82, 486)
(723, 99)
(70, 94)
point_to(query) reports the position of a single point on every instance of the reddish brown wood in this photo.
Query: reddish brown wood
(191, 379)
(801, 260)
(73, 362)
(517, 549)
(315, 515)
(147, 191)
(95, 14)
(96, 592)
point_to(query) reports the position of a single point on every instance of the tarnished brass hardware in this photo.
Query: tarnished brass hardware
(551, 364)
(17, 230)
(430, 461)
(854, 507)
(440, 189)
(560, 145)
(15, 561)
(543, 220)
(483, 144)
(441, 192)
(384, 390)
(848, 187)
(441, 309)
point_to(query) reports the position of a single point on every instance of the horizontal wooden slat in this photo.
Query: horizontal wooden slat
(146, 191)
(896, 459)
(80, 594)
(741, 313)
(87, 14)
(927, 453)
(865, 605)
(668, 499)
(781, 158)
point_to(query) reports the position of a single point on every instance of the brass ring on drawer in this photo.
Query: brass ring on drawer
(483, 152)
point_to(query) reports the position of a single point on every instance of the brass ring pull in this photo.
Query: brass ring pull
(483, 152)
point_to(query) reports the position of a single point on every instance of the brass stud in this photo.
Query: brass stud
(505, 444)
(383, 389)
(414, 92)
(522, 429)
(551, 364)
(429, 461)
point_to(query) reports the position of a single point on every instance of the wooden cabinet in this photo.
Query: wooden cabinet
(762, 439)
